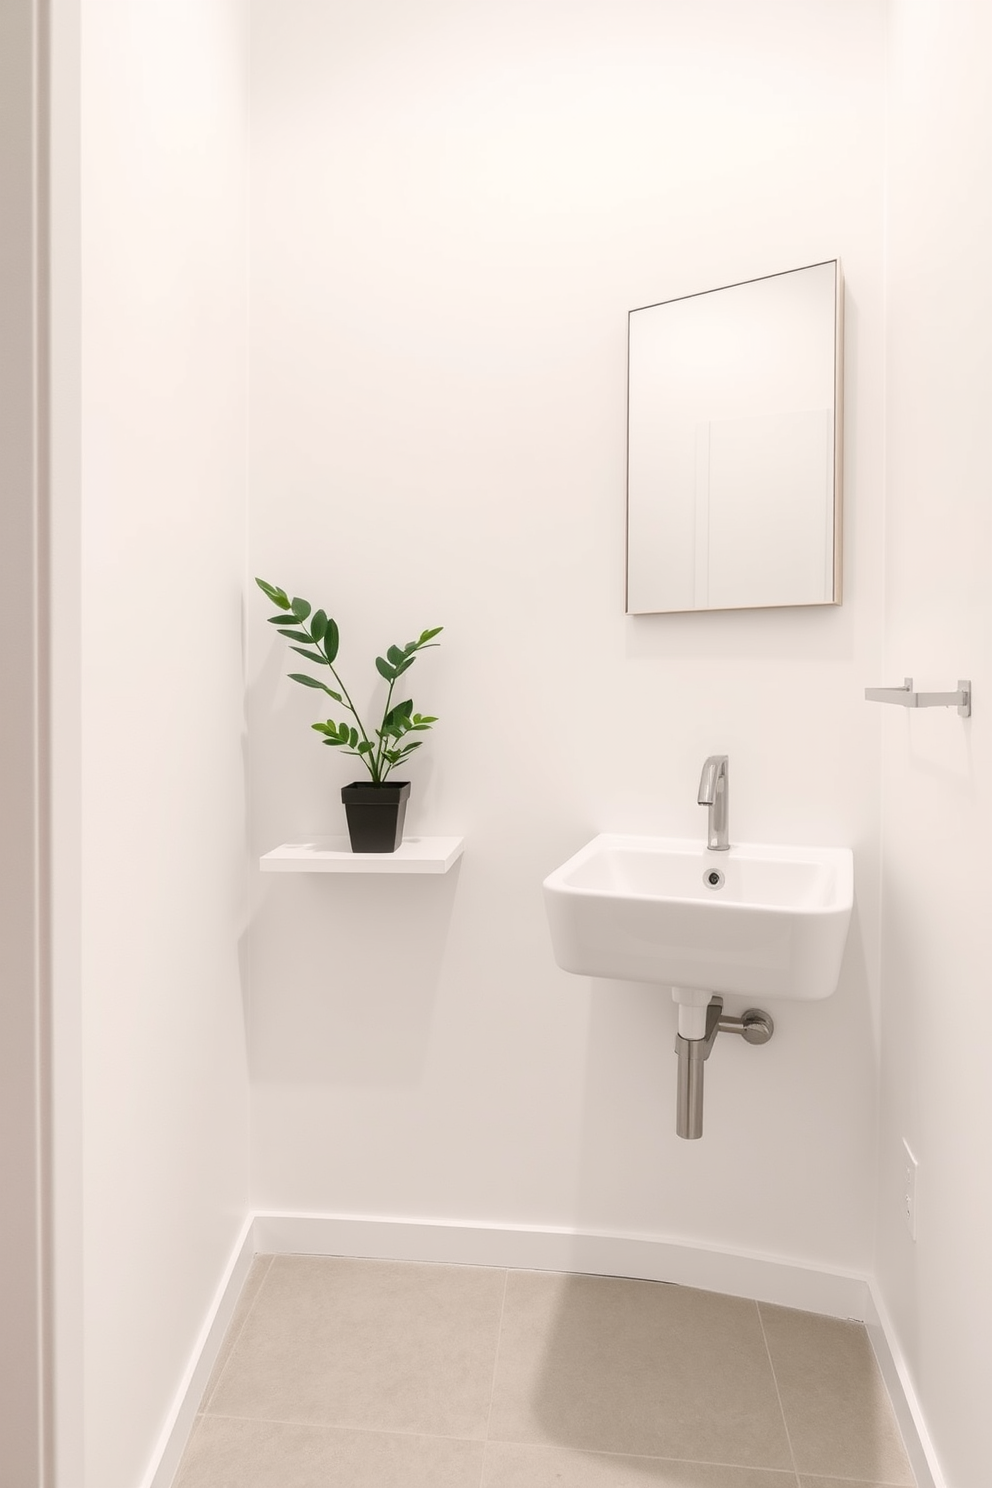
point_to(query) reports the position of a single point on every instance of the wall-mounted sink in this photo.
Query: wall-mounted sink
(755, 920)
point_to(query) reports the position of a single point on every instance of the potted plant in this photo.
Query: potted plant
(375, 808)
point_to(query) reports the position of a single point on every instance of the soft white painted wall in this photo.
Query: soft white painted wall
(937, 1017)
(453, 209)
(23, 988)
(162, 170)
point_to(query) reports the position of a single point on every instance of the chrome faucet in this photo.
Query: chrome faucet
(714, 792)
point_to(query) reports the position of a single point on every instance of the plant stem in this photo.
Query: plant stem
(380, 772)
(367, 759)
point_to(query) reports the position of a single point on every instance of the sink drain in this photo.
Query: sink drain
(713, 878)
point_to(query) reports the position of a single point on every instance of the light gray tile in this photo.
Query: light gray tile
(228, 1453)
(612, 1365)
(245, 1302)
(807, 1482)
(510, 1466)
(381, 1345)
(839, 1417)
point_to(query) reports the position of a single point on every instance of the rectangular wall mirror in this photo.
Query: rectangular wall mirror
(733, 446)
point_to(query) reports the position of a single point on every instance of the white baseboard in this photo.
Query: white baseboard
(905, 1402)
(786, 1283)
(179, 1423)
(533, 1248)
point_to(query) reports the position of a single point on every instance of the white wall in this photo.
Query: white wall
(453, 209)
(23, 990)
(937, 1017)
(157, 746)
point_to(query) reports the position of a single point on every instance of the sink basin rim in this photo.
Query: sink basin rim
(838, 859)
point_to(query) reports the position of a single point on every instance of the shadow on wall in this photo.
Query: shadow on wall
(328, 1005)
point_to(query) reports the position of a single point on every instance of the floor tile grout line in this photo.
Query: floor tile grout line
(859, 1482)
(750, 1467)
(475, 1441)
(204, 1408)
(783, 1472)
(778, 1393)
(492, 1385)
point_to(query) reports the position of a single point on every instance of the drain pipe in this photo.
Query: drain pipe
(755, 1026)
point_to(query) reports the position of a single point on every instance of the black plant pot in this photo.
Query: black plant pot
(375, 814)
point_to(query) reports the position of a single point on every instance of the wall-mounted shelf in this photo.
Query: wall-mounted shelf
(905, 697)
(333, 855)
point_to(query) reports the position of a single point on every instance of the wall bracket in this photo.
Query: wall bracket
(905, 697)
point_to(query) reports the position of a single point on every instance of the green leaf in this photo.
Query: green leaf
(428, 635)
(278, 596)
(331, 640)
(310, 655)
(296, 635)
(300, 609)
(330, 727)
(384, 669)
(306, 681)
(334, 743)
(353, 737)
(365, 747)
(344, 733)
(277, 619)
(318, 625)
(424, 719)
(395, 655)
(408, 748)
(405, 666)
(401, 710)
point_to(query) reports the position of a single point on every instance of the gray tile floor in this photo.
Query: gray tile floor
(394, 1374)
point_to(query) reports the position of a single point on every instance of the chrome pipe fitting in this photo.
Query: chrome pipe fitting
(693, 1054)
(755, 1026)
(689, 1106)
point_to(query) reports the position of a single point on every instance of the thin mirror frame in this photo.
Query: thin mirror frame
(836, 597)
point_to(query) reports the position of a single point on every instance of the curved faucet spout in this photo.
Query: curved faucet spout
(714, 792)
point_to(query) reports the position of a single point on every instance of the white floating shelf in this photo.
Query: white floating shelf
(333, 855)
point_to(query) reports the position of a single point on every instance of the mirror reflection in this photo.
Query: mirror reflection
(733, 497)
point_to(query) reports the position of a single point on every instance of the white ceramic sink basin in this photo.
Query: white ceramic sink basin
(645, 909)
